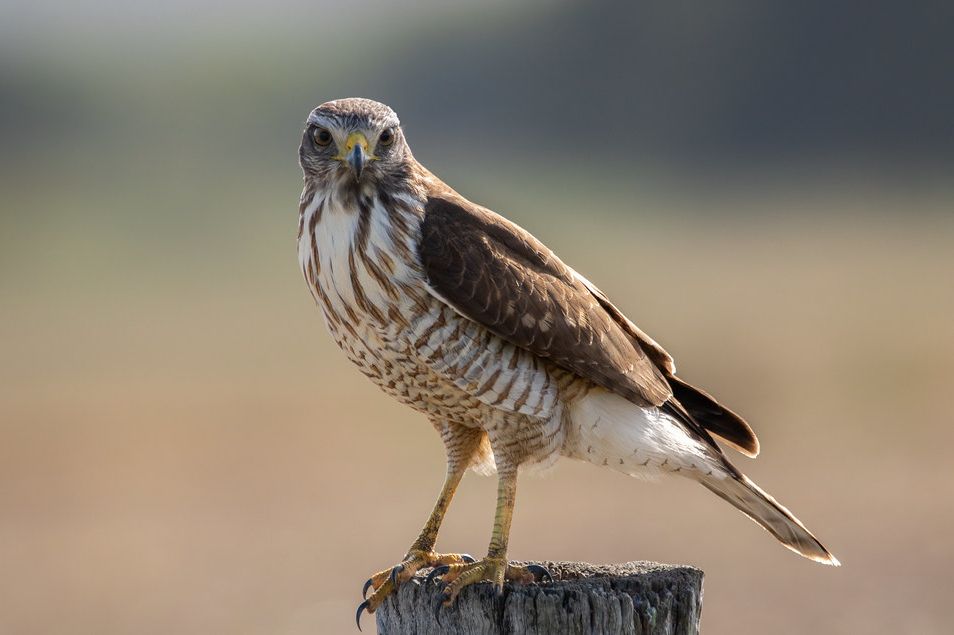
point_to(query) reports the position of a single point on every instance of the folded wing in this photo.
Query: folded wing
(498, 275)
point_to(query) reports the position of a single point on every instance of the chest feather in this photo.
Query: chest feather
(359, 263)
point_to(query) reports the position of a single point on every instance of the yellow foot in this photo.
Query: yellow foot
(494, 570)
(385, 582)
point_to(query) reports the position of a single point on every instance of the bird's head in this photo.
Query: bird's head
(352, 141)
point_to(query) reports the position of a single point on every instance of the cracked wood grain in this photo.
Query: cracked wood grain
(635, 598)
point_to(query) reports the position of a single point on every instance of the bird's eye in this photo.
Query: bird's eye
(322, 136)
(386, 138)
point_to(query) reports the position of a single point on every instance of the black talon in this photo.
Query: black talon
(364, 591)
(466, 557)
(357, 616)
(394, 573)
(540, 572)
(441, 570)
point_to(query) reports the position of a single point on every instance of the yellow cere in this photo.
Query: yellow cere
(356, 138)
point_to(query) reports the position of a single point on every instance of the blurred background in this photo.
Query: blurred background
(183, 450)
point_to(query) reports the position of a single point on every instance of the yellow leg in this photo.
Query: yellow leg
(495, 567)
(506, 499)
(461, 446)
(425, 541)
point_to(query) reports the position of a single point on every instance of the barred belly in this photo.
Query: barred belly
(388, 360)
(517, 403)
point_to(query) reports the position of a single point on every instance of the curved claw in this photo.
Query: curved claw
(540, 572)
(395, 572)
(357, 616)
(364, 590)
(441, 570)
(466, 557)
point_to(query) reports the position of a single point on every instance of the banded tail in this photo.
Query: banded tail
(610, 431)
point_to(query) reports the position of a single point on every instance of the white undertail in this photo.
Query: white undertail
(608, 430)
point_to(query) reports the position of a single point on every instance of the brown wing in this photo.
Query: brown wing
(697, 403)
(498, 275)
(660, 357)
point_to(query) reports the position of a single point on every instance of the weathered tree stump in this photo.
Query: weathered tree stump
(639, 598)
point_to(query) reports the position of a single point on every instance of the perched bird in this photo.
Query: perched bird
(515, 358)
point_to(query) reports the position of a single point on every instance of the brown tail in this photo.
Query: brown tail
(767, 512)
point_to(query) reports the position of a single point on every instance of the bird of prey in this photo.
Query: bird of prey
(515, 358)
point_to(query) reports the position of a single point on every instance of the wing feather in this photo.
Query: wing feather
(498, 275)
(481, 264)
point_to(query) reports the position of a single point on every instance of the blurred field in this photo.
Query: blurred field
(182, 450)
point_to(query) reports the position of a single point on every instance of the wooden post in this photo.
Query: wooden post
(639, 598)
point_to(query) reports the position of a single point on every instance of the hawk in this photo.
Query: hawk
(515, 358)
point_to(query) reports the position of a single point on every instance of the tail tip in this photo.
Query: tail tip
(830, 560)
(816, 553)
